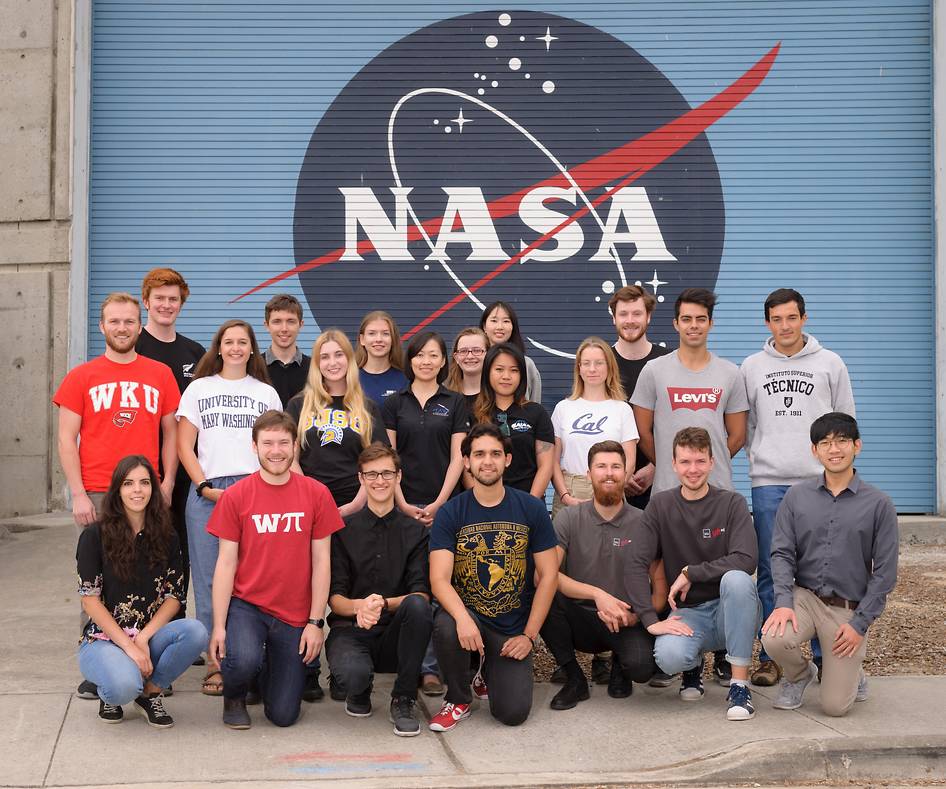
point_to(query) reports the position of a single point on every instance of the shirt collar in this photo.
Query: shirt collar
(269, 357)
(601, 521)
(852, 486)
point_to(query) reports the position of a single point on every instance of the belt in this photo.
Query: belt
(838, 602)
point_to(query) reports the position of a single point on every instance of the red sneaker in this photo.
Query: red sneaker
(449, 716)
(479, 688)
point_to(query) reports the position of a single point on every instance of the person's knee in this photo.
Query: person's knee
(636, 670)
(511, 713)
(417, 607)
(737, 582)
(781, 644)
(121, 687)
(193, 633)
(674, 654)
(354, 675)
(242, 662)
(835, 708)
(282, 717)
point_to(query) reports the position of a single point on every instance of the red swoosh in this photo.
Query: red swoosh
(631, 160)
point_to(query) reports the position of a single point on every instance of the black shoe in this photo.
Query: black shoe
(87, 690)
(691, 689)
(722, 671)
(575, 690)
(600, 670)
(359, 706)
(817, 662)
(168, 691)
(152, 707)
(619, 686)
(335, 690)
(313, 690)
(403, 717)
(199, 661)
(559, 677)
(110, 713)
(253, 695)
(235, 715)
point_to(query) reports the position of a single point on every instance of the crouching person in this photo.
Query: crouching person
(271, 581)
(131, 581)
(381, 618)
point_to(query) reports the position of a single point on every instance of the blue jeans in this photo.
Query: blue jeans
(730, 622)
(202, 548)
(173, 648)
(250, 631)
(765, 503)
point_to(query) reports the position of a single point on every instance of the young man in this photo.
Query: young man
(692, 387)
(288, 366)
(791, 382)
(590, 612)
(494, 570)
(271, 582)
(704, 534)
(381, 617)
(834, 561)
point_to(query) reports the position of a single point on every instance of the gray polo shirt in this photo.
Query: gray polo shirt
(844, 546)
(597, 549)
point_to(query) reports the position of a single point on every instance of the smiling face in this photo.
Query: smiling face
(164, 304)
(498, 326)
(275, 449)
(593, 366)
(487, 460)
(504, 375)
(380, 481)
(235, 347)
(786, 323)
(121, 325)
(283, 327)
(693, 325)
(692, 467)
(333, 364)
(376, 339)
(428, 362)
(135, 490)
(631, 320)
(606, 473)
(471, 348)
(836, 453)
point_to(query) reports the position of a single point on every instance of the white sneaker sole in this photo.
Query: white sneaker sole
(739, 714)
(438, 727)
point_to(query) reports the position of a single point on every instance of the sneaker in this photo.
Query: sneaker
(235, 715)
(152, 708)
(335, 689)
(600, 670)
(168, 691)
(87, 690)
(403, 717)
(740, 703)
(691, 689)
(862, 692)
(817, 662)
(559, 677)
(479, 687)
(431, 685)
(572, 692)
(359, 706)
(619, 686)
(199, 661)
(110, 713)
(661, 680)
(722, 671)
(313, 690)
(767, 674)
(449, 716)
(790, 693)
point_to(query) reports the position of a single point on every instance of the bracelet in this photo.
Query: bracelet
(562, 497)
(530, 638)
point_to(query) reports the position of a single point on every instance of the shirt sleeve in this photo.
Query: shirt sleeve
(842, 395)
(628, 424)
(294, 408)
(533, 382)
(645, 393)
(637, 567)
(187, 407)
(389, 410)
(738, 401)
(557, 417)
(542, 536)
(225, 519)
(69, 394)
(325, 517)
(461, 416)
(378, 431)
(562, 524)
(273, 400)
(443, 532)
(417, 566)
(883, 578)
(341, 568)
(784, 560)
(173, 585)
(169, 391)
(743, 545)
(89, 562)
(544, 431)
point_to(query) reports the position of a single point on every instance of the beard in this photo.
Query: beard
(120, 346)
(606, 496)
(488, 478)
(632, 335)
(276, 469)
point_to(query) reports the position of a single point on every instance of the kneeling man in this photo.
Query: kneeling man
(271, 582)
(380, 596)
(708, 544)
(486, 547)
(590, 612)
(834, 561)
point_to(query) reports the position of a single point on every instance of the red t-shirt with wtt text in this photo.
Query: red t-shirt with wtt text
(275, 526)
(121, 406)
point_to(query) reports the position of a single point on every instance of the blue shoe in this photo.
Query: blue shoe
(740, 703)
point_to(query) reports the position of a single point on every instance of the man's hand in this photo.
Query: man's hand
(680, 587)
(777, 621)
(368, 611)
(311, 642)
(671, 626)
(640, 481)
(468, 634)
(217, 650)
(83, 510)
(142, 657)
(846, 641)
(167, 488)
(613, 612)
(517, 647)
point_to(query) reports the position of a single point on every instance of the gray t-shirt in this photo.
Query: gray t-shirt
(596, 550)
(679, 398)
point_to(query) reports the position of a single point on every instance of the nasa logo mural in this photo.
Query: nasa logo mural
(519, 156)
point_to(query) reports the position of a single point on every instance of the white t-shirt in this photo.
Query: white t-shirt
(223, 411)
(580, 424)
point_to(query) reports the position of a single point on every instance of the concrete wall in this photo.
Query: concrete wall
(36, 68)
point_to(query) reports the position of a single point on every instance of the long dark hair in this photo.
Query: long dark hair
(118, 541)
(484, 408)
(516, 337)
(212, 363)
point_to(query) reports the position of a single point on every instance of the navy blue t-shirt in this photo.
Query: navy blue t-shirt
(493, 568)
(378, 386)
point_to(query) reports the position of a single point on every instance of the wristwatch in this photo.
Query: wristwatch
(319, 623)
(205, 484)
(685, 572)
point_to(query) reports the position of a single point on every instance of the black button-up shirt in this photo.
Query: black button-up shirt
(379, 555)
(836, 546)
(287, 379)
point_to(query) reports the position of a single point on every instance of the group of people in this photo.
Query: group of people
(404, 491)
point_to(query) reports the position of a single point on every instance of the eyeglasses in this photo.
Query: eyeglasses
(470, 352)
(386, 475)
(502, 419)
(840, 443)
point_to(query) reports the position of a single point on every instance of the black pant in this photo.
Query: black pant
(182, 484)
(570, 626)
(396, 647)
(510, 680)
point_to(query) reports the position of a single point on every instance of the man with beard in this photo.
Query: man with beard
(590, 612)
(493, 569)
(271, 581)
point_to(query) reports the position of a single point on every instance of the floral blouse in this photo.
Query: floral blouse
(134, 602)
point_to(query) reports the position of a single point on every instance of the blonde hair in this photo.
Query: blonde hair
(395, 355)
(315, 396)
(612, 383)
(454, 380)
(119, 297)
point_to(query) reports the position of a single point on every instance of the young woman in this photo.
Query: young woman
(500, 323)
(466, 366)
(131, 581)
(229, 391)
(379, 356)
(502, 401)
(336, 421)
(596, 410)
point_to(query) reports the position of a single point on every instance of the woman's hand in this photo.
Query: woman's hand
(142, 657)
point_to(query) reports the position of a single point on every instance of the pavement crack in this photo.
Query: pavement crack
(62, 725)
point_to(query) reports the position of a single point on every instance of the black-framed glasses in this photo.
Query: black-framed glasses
(502, 419)
(470, 352)
(386, 475)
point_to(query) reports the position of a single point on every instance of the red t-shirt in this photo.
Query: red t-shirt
(275, 526)
(121, 406)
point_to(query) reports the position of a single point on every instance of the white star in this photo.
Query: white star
(655, 283)
(548, 38)
(460, 120)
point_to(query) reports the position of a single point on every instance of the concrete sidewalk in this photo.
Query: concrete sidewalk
(51, 738)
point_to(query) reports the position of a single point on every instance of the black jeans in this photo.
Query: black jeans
(354, 654)
(510, 680)
(570, 626)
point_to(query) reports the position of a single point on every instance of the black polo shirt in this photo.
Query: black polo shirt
(378, 555)
(524, 424)
(287, 379)
(423, 439)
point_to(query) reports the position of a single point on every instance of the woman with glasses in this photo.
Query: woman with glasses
(466, 367)
(501, 324)
(596, 410)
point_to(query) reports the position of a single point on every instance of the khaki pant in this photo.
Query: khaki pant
(578, 485)
(840, 675)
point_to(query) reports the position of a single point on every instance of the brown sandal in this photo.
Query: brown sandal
(210, 686)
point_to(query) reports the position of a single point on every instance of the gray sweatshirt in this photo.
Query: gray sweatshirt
(786, 394)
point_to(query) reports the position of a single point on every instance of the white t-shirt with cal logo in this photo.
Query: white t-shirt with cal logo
(580, 424)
